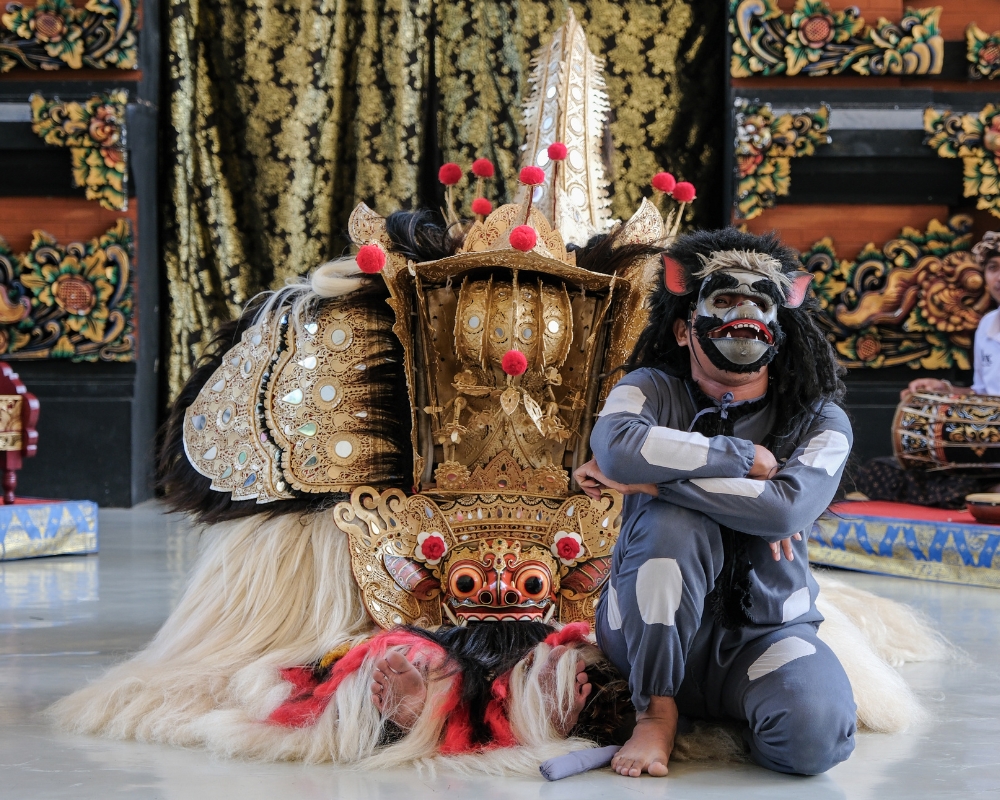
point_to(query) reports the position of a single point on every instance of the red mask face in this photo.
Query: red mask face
(499, 582)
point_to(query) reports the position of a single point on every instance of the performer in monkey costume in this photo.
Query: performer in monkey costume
(729, 420)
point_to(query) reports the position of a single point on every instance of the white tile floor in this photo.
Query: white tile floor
(63, 620)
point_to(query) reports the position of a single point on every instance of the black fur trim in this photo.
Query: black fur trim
(482, 652)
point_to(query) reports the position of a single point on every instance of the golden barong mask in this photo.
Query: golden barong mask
(508, 348)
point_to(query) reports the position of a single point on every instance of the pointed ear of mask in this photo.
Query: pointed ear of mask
(674, 276)
(796, 294)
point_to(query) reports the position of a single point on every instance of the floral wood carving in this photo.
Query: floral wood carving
(814, 40)
(764, 145)
(982, 52)
(975, 138)
(55, 35)
(94, 132)
(915, 301)
(72, 302)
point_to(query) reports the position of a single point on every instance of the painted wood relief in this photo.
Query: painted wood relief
(814, 40)
(70, 302)
(764, 144)
(95, 132)
(975, 138)
(982, 52)
(53, 34)
(915, 301)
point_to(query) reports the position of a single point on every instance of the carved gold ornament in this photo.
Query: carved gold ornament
(975, 138)
(484, 557)
(70, 301)
(95, 133)
(764, 144)
(289, 410)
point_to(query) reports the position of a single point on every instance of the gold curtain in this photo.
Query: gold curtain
(282, 117)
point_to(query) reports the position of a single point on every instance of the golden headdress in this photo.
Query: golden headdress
(505, 345)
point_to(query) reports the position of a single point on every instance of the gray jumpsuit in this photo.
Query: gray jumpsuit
(651, 620)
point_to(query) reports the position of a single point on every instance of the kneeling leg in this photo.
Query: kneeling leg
(796, 697)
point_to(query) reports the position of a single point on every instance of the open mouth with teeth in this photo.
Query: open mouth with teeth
(473, 612)
(743, 329)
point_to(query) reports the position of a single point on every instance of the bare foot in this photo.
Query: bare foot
(398, 689)
(581, 690)
(649, 747)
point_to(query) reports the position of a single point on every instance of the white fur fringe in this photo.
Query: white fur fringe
(273, 592)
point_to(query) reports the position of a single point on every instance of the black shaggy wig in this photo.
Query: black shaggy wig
(804, 373)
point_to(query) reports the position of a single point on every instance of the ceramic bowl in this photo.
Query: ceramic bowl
(985, 507)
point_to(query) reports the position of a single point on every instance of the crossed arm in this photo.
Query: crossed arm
(731, 480)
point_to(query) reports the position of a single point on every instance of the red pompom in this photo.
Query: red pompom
(532, 176)
(523, 238)
(683, 192)
(481, 206)
(450, 174)
(482, 168)
(557, 151)
(664, 182)
(370, 258)
(514, 362)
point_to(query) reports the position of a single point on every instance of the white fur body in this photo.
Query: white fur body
(268, 593)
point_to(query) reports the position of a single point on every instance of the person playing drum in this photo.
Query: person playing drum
(986, 349)
(883, 478)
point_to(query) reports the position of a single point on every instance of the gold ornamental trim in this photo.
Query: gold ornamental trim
(404, 582)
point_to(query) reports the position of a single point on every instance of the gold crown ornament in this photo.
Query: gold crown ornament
(508, 345)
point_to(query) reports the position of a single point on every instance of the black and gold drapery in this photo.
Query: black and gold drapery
(283, 116)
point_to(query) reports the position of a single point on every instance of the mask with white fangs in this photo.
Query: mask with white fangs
(736, 320)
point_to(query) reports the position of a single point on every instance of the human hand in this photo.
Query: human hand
(765, 465)
(592, 481)
(785, 546)
(934, 385)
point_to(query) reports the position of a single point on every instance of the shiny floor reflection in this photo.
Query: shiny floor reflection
(64, 620)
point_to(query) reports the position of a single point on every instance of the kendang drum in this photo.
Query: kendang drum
(937, 432)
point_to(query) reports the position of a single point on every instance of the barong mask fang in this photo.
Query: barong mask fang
(735, 316)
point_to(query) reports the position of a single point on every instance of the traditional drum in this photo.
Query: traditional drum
(938, 432)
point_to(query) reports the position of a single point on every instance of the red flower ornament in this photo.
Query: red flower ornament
(567, 547)
(557, 151)
(683, 192)
(481, 206)
(532, 176)
(431, 547)
(664, 182)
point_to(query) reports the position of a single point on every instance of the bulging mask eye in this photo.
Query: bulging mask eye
(465, 581)
(533, 583)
